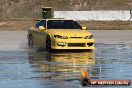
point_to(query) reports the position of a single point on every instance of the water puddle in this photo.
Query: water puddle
(31, 69)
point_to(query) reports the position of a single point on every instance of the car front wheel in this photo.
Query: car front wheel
(48, 43)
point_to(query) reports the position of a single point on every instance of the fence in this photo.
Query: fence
(102, 15)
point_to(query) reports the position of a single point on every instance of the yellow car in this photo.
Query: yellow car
(60, 34)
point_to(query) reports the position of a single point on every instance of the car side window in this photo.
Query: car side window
(41, 23)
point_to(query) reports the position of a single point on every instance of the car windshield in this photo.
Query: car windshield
(63, 24)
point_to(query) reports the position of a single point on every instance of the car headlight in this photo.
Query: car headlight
(62, 37)
(88, 37)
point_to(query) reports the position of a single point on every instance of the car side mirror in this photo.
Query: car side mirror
(41, 28)
(84, 28)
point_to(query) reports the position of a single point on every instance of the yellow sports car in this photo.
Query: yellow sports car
(60, 34)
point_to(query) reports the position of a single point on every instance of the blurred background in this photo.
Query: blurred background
(32, 8)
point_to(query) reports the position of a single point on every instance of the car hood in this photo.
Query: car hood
(67, 32)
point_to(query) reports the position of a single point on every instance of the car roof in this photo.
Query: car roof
(54, 19)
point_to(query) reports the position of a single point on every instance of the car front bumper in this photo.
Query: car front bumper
(73, 44)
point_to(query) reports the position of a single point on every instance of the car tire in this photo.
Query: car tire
(48, 43)
(30, 41)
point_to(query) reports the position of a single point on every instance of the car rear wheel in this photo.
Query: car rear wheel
(48, 43)
(30, 41)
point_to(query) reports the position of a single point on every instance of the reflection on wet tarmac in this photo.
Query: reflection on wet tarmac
(31, 69)
(66, 64)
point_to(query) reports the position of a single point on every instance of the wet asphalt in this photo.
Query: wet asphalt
(21, 67)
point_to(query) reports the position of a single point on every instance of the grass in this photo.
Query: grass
(16, 25)
(21, 25)
(107, 25)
